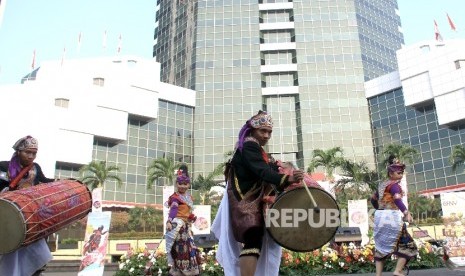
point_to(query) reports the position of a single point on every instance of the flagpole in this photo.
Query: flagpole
(63, 56)
(104, 41)
(79, 43)
(119, 44)
(33, 64)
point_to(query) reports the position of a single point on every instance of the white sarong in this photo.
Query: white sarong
(229, 249)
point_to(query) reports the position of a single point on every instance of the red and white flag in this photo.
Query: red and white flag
(119, 44)
(33, 64)
(104, 40)
(438, 35)
(451, 23)
(79, 42)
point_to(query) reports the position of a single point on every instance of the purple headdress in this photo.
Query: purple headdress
(183, 175)
(27, 142)
(261, 119)
(394, 164)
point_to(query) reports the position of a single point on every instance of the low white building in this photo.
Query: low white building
(110, 109)
(422, 105)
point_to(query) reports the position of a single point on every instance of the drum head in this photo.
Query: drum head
(294, 224)
(12, 227)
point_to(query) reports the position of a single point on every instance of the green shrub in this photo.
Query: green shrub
(133, 235)
(69, 241)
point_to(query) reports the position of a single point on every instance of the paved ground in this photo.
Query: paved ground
(428, 272)
(106, 273)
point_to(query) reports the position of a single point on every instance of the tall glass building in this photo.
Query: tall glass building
(304, 61)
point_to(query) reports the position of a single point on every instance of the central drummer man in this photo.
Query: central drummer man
(19, 173)
(239, 224)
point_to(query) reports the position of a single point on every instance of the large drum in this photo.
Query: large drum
(294, 222)
(30, 214)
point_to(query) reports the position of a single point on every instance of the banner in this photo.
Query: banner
(358, 217)
(167, 192)
(203, 222)
(97, 200)
(454, 231)
(95, 246)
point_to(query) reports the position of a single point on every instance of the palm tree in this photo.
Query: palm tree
(403, 152)
(328, 159)
(435, 207)
(161, 168)
(96, 173)
(417, 204)
(357, 183)
(358, 173)
(457, 158)
(204, 184)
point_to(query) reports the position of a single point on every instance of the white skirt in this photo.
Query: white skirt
(229, 249)
(26, 260)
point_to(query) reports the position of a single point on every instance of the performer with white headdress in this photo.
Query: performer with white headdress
(244, 246)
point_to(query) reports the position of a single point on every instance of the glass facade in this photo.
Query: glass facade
(304, 61)
(169, 135)
(393, 122)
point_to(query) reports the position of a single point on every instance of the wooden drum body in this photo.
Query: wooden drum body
(294, 223)
(30, 214)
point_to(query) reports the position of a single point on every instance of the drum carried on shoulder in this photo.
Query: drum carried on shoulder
(28, 215)
(302, 221)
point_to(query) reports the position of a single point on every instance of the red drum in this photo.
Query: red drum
(294, 223)
(30, 214)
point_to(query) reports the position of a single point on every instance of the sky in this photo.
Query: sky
(50, 26)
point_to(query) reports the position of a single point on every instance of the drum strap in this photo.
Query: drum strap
(14, 182)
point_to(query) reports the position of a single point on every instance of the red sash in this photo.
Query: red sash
(14, 182)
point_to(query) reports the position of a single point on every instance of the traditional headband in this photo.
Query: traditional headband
(396, 166)
(262, 119)
(27, 142)
(183, 175)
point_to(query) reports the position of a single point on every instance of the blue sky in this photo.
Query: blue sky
(417, 19)
(48, 26)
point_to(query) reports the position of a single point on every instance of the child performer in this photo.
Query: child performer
(183, 255)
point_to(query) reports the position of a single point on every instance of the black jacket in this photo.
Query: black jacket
(250, 168)
(5, 181)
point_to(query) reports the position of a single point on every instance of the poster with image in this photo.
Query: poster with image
(454, 230)
(358, 217)
(97, 200)
(203, 222)
(95, 246)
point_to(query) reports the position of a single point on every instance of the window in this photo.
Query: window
(99, 81)
(459, 63)
(425, 48)
(61, 102)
